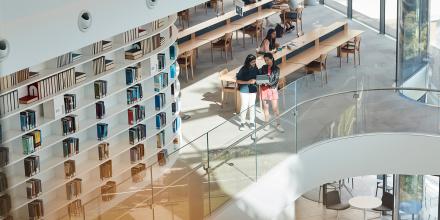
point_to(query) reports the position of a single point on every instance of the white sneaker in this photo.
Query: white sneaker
(252, 126)
(241, 127)
(280, 129)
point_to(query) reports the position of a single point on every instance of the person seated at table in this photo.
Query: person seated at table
(248, 2)
(269, 44)
(269, 91)
(290, 14)
(248, 90)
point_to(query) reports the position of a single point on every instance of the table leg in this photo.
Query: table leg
(365, 214)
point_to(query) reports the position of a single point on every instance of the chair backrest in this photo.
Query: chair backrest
(259, 24)
(220, 74)
(228, 38)
(323, 60)
(388, 200)
(333, 198)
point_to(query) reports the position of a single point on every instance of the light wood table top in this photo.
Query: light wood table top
(250, 19)
(219, 32)
(224, 17)
(310, 55)
(191, 44)
(341, 38)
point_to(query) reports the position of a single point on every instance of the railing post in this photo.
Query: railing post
(255, 143)
(396, 191)
(349, 9)
(382, 17)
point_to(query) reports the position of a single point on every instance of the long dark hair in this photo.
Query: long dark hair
(249, 59)
(270, 39)
(270, 56)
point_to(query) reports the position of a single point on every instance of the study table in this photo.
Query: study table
(300, 51)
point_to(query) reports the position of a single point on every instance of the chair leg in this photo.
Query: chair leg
(192, 69)
(354, 59)
(244, 42)
(326, 81)
(222, 98)
(347, 57)
(186, 72)
(359, 57)
(226, 55)
(337, 214)
(340, 61)
(322, 79)
(212, 56)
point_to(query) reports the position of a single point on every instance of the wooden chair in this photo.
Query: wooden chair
(319, 65)
(214, 5)
(351, 48)
(223, 44)
(185, 61)
(227, 87)
(255, 30)
(298, 21)
(183, 16)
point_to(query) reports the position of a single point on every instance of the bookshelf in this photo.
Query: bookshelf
(93, 84)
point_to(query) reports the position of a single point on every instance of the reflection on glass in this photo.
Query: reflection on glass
(391, 17)
(410, 196)
(367, 11)
(339, 5)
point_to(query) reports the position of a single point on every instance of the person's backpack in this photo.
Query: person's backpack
(279, 30)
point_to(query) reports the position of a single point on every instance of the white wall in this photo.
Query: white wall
(328, 161)
(43, 29)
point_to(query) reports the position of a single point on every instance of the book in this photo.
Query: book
(133, 54)
(4, 156)
(136, 114)
(134, 94)
(28, 99)
(159, 101)
(103, 151)
(100, 109)
(69, 169)
(138, 173)
(102, 131)
(28, 120)
(161, 120)
(132, 74)
(75, 208)
(137, 133)
(99, 65)
(69, 124)
(162, 157)
(36, 209)
(173, 71)
(79, 77)
(3, 182)
(33, 188)
(5, 205)
(70, 147)
(101, 46)
(31, 165)
(137, 153)
(160, 81)
(109, 64)
(100, 88)
(161, 61)
(160, 139)
(73, 188)
(69, 103)
(105, 170)
(10, 102)
(176, 125)
(172, 52)
(108, 191)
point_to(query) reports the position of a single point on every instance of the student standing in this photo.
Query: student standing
(269, 91)
(248, 90)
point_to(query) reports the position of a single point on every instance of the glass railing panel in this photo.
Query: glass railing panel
(325, 118)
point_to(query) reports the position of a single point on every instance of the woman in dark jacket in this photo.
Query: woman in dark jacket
(248, 90)
(269, 91)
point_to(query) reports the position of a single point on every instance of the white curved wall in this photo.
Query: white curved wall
(40, 30)
(333, 160)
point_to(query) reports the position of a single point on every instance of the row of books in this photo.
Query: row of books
(159, 101)
(102, 131)
(138, 172)
(28, 120)
(3, 182)
(69, 103)
(157, 24)
(9, 102)
(160, 139)
(150, 44)
(108, 191)
(134, 53)
(75, 208)
(15, 78)
(100, 65)
(105, 170)
(100, 46)
(31, 165)
(133, 34)
(162, 157)
(175, 107)
(52, 85)
(36, 209)
(100, 88)
(33, 188)
(31, 142)
(137, 153)
(69, 124)
(173, 71)
(103, 151)
(70, 146)
(160, 81)
(134, 94)
(137, 133)
(161, 120)
(73, 188)
(69, 169)
(172, 50)
(132, 74)
(136, 114)
(5, 205)
(67, 59)
(100, 109)
(4, 156)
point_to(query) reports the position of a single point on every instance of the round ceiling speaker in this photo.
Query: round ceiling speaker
(4, 49)
(84, 21)
(151, 3)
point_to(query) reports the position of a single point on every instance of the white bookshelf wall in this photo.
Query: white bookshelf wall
(87, 162)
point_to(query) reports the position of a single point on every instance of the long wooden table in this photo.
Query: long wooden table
(306, 49)
(197, 41)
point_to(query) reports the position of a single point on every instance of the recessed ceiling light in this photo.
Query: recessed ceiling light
(84, 21)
